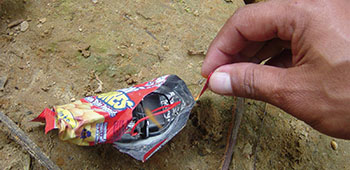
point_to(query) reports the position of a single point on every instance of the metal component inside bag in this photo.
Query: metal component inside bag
(137, 120)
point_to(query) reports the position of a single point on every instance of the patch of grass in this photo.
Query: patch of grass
(99, 45)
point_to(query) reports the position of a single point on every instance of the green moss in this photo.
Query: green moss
(99, 45)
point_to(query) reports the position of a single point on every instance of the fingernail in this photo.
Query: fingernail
(220, 82)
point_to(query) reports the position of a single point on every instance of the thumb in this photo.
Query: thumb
(249, 80)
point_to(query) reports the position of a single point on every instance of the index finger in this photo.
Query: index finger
(256, 22)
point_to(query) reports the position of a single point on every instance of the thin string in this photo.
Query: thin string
(205, 87)
(169, 107)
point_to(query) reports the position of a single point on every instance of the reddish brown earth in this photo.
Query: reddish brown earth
(130, 42)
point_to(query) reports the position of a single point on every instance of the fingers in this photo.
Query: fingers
(283, 60)
(252, 49)
(272, 48)
(257, 22)
(250, 80)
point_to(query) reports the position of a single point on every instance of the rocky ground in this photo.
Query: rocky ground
(52, 50)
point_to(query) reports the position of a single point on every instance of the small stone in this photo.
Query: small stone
(80, 29)
(46, 32)
(42, 20)
(45, 89)
(39, 25)
(24, 26)
(83, 47)
(3, 81)
(29, 112)
(166, 48)
(195, 52)
(86, 53)
(15, 23)
(72, 99)
(11, 33)
(94, 1)
(334, 145)
(196, 13)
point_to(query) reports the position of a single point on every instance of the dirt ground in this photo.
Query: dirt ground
(51, 50)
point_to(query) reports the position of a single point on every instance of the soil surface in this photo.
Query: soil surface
(52, 51)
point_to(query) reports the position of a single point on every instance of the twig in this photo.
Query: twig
(100, 83)
(150, 34)
(237, 117)
(21, 138)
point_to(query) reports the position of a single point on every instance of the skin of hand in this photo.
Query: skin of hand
(308, 74)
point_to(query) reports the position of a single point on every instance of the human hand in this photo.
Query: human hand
(308, 75)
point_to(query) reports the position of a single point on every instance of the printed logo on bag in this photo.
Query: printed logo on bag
(117, 100)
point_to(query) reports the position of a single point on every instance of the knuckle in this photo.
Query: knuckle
(281, 93)
(236, 15)
(249, 81)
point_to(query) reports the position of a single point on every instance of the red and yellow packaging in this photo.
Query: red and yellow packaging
(105, 118)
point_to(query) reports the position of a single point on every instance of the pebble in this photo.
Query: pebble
(83, 47)
(45, 89)
(86, 53)
(196, 13)
(94, 1)
(42, 20)
(15, 23)
(72, 99)
(84, 50)
(3, 81)
(166, 48)
(334, 145)
(24, 26)
(29, 112)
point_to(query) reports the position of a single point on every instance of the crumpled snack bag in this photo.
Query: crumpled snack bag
(137, 120)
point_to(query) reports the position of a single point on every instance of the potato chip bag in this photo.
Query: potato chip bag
(137, 120)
